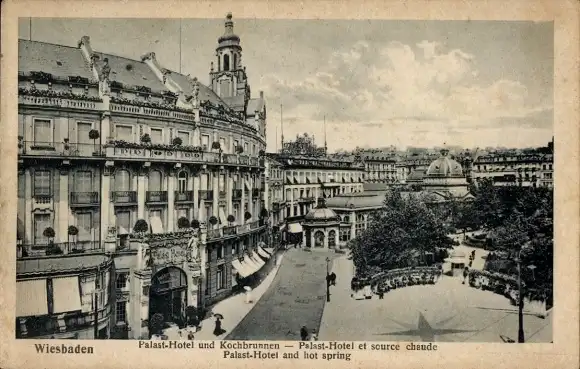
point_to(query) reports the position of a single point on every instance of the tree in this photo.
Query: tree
(94, 135)
(231, 219)
(177, 141)
(213, 220)
(49, 233)
(215, 146)
(182, 223)
(72, 231)
(141, 227)
(247, 215)
(195, 224)
(400, 230)
(156, 323)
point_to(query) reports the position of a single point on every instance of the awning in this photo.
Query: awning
(295, 228)
(31, 298)
(242, 268)
(263, 253)
(66, 294)
(223, 218)
(250, 264)
(156, 224)
(257, 260)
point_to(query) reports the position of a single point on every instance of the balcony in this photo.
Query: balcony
(84, 199)
(206, 195)
(230, 231)
(254, 225)
(59, 149)
(237, 194)
(42, 199)
(156, 197)
(124, 197)
(63, 248)
(183, 197)
(214, 233)
(306, 199)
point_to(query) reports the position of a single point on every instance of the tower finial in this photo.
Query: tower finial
(325, 143)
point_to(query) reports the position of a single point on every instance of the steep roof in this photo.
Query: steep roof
(131, 72)
(205, 93)
(255, 105)
(355, 202)
(58, 60)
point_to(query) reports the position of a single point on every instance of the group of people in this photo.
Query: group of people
(393, 279)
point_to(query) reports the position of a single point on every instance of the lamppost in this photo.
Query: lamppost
(327, 279)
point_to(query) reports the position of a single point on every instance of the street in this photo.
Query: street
(295, 298)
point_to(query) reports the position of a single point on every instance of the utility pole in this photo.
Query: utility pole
(327, 280)
(521, 338)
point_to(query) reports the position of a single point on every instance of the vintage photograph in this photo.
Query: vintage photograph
(285, 179)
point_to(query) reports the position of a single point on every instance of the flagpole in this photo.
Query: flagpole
(281, 128)
(180, 42)
(325, 146)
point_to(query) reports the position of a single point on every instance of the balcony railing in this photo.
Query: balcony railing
(237, 194)
(206, 195)
(229, 231)
(214, 233)
(124, 197)
(77, 247)
(255, 224)
(42, 199)
(156, 197)
(84, 198)
(51, 149)
(186, 196)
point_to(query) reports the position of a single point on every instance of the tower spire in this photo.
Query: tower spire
(325, 143)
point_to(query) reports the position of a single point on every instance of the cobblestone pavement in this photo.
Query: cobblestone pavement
(447, 311)
(295, 298)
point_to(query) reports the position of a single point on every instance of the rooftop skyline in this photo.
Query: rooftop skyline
(378, 83)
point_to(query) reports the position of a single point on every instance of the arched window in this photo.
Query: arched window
(331, 239)
(235, 62)
(182, 182)
(319, 239)
(154, 180)
(122, 180)
(226, 62)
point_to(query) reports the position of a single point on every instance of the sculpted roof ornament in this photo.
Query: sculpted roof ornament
(149, 55)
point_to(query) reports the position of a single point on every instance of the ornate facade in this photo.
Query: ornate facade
(104, 142)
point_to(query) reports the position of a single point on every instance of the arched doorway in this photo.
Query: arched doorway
(318, 239)
(168, 294)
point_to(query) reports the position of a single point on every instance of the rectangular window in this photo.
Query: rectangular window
(41, 222)
(220, 277)
(184, 137)
(85, 225)
(121, 311)
(223, 144)
(236, 144)
(83, 129)
(121, 281)
(246, 148)
(83, 181)
(220, 252)
(205, 141)
(123, 222)
(42, 130)
(157, 135)
(42, 183)
(222, 182)
(124, 133)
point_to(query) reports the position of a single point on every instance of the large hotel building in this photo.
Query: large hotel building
(140, 189)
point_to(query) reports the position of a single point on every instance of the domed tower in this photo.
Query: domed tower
(229, 80)
(445, 174)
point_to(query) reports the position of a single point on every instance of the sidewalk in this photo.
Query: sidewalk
(235, 308)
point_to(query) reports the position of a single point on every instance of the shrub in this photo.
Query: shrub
(247, 215)
(231, 218)
(73, 231)
(213, 220)
(177, 141)
(182, 223)
(215, 146)
(146, 138)
(141, 226)
(48, 233)
(194, 224)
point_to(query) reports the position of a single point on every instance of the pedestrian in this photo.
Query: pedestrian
(465, 273)
(190, 336)
(313, 336)
(333, 278)
(218, 327)
(303, 333)
(381, 293)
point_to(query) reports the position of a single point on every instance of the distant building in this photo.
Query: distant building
(515, 169)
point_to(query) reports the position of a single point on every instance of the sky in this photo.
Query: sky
(375, 83)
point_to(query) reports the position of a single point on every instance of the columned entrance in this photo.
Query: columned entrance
(168, 294)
